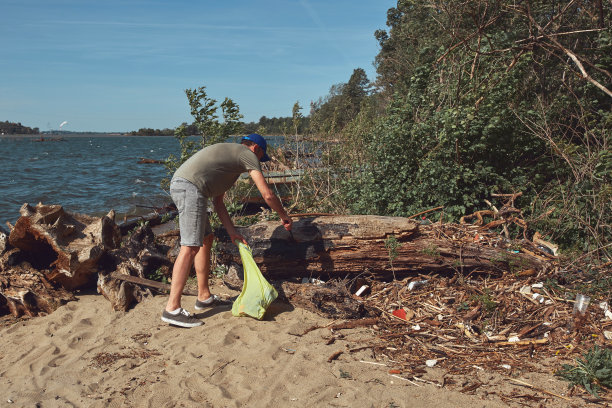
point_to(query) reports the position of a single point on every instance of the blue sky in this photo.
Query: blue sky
(120, 65)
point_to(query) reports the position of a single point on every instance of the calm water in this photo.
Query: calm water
(84, 174)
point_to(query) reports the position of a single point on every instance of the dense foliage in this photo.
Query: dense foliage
(10, 128)
(152, 132)
(274, 126)
(487, 97)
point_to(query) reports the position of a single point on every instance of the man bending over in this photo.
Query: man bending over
(209, 174)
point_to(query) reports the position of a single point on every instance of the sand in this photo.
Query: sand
(87, 355)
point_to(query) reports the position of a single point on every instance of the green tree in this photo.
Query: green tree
(210, 129)
(343, 103)
(486, 97)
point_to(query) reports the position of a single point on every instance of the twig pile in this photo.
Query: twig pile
(494, 324)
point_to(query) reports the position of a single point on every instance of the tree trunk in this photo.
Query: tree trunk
(384, 247)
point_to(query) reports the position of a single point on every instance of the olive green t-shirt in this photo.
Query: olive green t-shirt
(214, 169)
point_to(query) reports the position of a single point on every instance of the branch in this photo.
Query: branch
(569, 53)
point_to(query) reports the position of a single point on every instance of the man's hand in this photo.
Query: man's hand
(238, 237)
(287, 223)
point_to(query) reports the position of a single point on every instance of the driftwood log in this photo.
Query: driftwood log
(331, 300)
(48, 254)
(51, 252)
(382, 247)
(64, 246)
(26, 291)
(122, 271)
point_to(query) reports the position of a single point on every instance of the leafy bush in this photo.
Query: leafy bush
(593, 372)
(475, 105)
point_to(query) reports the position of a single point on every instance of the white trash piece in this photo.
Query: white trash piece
(431, 363)
(416, 284)
(361, 290)
(581, 304)
(314, 281)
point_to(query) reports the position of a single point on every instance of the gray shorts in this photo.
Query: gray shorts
(192, 208)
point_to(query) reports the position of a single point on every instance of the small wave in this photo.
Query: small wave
(139, 181)
(134, 194)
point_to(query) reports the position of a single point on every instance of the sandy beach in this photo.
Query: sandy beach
(87, 355)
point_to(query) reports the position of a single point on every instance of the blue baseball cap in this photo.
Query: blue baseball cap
(259, 141)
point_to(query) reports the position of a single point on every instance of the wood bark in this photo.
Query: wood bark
(64, 246)
(122, 268)
(331, 300)
(26, 291)
(4, 245)
(56, 252)
(347, 246)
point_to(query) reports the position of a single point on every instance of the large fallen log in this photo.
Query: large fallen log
(52, 252)
(64, 246)
(383, 247)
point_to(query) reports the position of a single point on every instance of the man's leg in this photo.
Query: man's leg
(202, 267)
(180, 272)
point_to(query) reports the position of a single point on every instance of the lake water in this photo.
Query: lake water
(85, 174)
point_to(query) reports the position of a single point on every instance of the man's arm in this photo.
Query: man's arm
(270, 198)
(226, 220)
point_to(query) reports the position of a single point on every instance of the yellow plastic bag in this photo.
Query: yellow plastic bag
(257, 293)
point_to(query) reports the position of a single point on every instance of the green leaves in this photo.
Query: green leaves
(476, 105)
(593, 371)
(204, 112)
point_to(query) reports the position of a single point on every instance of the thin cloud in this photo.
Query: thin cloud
(328, 36)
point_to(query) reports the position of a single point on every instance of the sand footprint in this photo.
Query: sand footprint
(66, 319)
(11, 329)
(234, 336)
(51, 329)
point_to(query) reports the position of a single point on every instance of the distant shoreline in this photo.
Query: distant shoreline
(67, 135)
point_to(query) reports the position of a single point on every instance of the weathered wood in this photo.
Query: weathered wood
(163, 287)
(65, 246)
(123, 270)
(61, 251)
(26, 291)
(355, 323)
(331, 300)
(152, 219)
(4, 245)
(344, 246)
